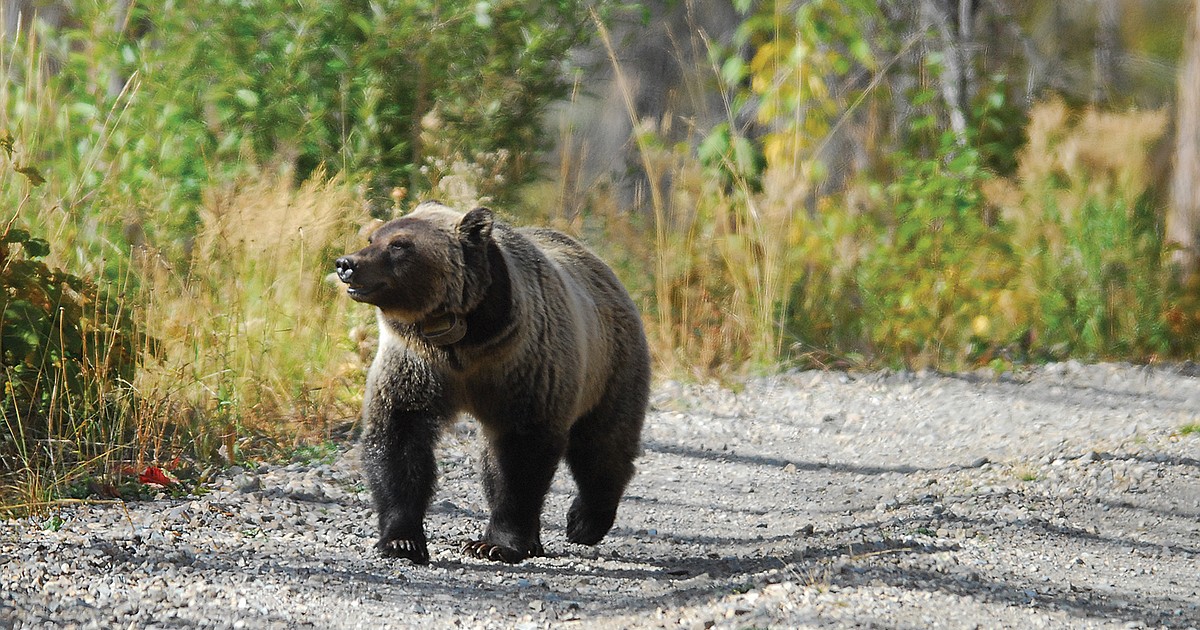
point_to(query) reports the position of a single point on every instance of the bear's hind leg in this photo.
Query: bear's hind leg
(601, 451)
(517, 471)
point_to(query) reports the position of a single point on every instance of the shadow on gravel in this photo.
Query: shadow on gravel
(1169, 460)
(1078, 597)
(879, 562)
(948, 518)
(823, 558)
(1068, 394)
(1078, 601)
(885, 552)
(1168, 512)
(758, 460)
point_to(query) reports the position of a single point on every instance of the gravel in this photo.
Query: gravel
(1066, 496)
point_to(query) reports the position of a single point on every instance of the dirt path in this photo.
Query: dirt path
(1066, 497)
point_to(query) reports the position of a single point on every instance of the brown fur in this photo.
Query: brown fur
(527, 331)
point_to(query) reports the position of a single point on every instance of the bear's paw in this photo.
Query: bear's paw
(485, 550)
(414, 550)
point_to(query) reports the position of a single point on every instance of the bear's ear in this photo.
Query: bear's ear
(476, 226)
(369, 228)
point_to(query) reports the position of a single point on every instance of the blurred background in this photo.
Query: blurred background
(946, 184)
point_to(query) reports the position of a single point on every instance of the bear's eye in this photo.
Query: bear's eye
(399, 246)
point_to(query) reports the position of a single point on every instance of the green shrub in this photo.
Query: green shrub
(70, 351)
(1087, 230)
(134, 121)
(930, 283)
(181, 132)
(344, 83)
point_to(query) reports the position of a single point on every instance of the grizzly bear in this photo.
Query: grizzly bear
(525, 330)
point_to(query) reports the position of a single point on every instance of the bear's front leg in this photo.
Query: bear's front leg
(517, 470)
(401, 473)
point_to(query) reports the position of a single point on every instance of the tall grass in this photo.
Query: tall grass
(68, 345)
(253, 340)
(731, 229)
(1087, 228)
(941, 265)
(244, 338)
(248, 343)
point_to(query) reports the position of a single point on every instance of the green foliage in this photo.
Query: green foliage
(824, 318)
(746, 239)
(1105, 297)
(53, 523)
(786, 85)
(353, 84)
(148, 113)
(69, 352)
(994, 116)
(322, 453)
(1087, 229)
(952, 266)
(1066, 259)
(938, 264)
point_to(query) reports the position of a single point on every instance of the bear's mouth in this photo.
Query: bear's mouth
(361, 292)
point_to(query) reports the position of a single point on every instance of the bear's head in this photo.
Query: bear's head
(432, 263)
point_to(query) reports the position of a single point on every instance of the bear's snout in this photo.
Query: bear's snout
(345, 269)
(358, 280)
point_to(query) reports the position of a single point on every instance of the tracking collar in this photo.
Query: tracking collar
(443, 330)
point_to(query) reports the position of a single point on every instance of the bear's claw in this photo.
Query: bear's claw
(485, 550)
(414, 550)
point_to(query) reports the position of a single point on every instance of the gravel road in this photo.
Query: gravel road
(1067, 496)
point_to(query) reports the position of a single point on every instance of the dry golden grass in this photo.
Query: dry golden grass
(252, 336)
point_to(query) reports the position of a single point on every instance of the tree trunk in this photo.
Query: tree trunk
(15, 13)
(953, 21)
(52, 13)
(1108, 81)
(1183, 217)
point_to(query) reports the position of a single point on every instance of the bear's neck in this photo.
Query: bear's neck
(493, 317)
(490, 320)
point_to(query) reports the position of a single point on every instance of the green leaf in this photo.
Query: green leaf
(733, 70)
(32, 174)
(743, 155)
(361, 22)
(246, 97)
(36, 247)
(714, 146)
(861, 51)
(84, 110)
(15, 235)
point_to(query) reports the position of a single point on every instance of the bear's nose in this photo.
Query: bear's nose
(345, 269)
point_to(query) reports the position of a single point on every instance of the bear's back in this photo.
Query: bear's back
(584, 266)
